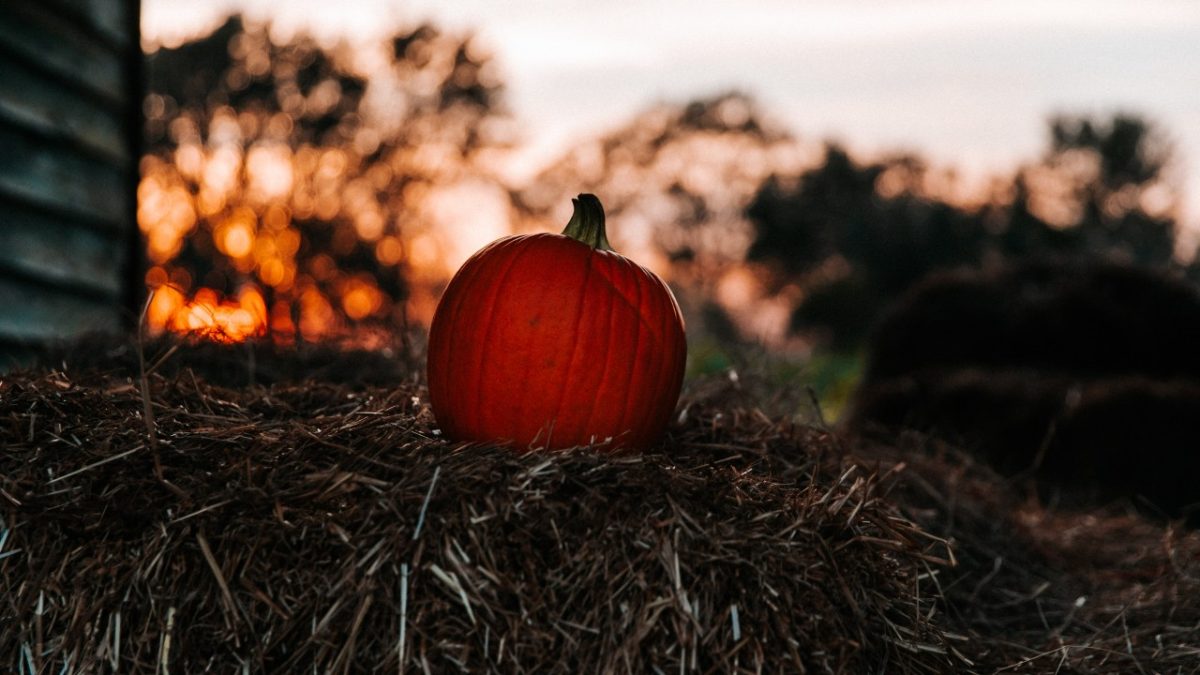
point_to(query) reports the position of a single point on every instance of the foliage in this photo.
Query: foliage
(675, 181)
(298, 168)
(856, 235)
(343, 180)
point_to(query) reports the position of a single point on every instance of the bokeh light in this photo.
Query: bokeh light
(283, 175)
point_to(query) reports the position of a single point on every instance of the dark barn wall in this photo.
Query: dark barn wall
(70, 130)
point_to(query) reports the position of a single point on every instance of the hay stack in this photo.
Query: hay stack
(323, 525)
(318, 525)
(1084, 373)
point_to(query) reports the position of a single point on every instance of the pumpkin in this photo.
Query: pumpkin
(555, 340)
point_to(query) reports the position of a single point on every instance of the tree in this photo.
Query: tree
(855, 236)
(288, 167)
(675, 181)
(1102, 185)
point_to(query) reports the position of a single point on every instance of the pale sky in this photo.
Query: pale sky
(967, 84)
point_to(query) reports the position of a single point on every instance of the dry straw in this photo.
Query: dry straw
(314, 522)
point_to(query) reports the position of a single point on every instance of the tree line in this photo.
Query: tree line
(705, 187)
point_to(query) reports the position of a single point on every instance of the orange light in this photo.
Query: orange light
(252, 301)
(235, 237)
(361, 298)
(322, 223)
(389, 251)
(316, 314)
(155, 277)
(282, 327)
(272, 272)
(238, 240)
(206, 315)
(164, 302)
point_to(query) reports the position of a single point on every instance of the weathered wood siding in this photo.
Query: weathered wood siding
(70, 128)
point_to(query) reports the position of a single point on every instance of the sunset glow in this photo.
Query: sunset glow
(337, 212)
(827, 68)
(207, 315)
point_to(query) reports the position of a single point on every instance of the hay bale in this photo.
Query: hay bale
(322, 525)
(1039, 588)
(1085, 375)
(1080, 320)
(318, 522)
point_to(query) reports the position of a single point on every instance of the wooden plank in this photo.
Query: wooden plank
(41, 245)
(44, 173)
(32, 33)
(69, 131)
(56, 112)
(110, 19)
(34, 312)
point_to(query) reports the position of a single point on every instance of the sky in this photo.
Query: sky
(967, 84)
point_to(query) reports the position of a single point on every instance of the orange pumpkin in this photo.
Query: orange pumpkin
(555, 340)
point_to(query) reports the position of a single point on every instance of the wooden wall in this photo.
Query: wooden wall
(70, 131)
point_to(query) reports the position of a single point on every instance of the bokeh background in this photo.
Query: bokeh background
(317, 171)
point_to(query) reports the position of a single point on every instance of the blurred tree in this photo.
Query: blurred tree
(854, 236)
(675, 182)
(802, 226)
(1103, 187)
(310, 170)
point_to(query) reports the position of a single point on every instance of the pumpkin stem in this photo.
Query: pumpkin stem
(587, 223)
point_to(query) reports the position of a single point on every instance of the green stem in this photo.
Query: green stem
(587, 223)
